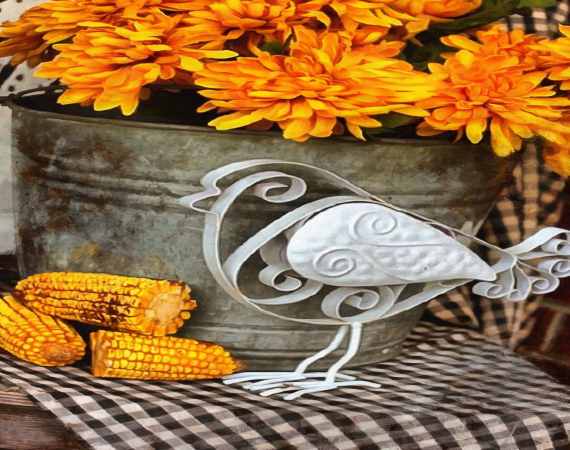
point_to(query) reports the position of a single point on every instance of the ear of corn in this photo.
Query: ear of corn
(124, 355)
(36, 337)
(141, 305)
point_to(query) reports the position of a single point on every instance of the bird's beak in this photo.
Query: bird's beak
(190, 201)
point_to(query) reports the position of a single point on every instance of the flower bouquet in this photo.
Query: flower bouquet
(313, 68)
(98, 195)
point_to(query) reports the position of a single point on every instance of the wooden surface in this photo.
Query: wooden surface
(24, 426)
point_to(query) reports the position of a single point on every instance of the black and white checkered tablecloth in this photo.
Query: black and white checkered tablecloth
(451, 389)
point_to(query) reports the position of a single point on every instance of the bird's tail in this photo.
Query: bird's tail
(534, 266)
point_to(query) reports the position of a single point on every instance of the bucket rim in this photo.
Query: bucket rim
(17, 106)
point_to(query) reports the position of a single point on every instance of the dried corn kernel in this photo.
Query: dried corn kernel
(141, 305)
(125, 355)
(36, 337)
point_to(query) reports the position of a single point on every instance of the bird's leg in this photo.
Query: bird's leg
(353, 346)
(332, 378)
(334, 344)
(268, 380)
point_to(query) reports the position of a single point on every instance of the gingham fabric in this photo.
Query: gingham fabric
(532, 202)
(450, 389)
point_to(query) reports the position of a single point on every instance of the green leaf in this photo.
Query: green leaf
(420, 55)
(273, 47)
(395, 120)
(393, 125)
(537, 3)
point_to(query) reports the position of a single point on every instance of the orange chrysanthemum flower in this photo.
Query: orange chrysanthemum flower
(21, 41)
(496, 41)
(58, 20)
(367, 20)
(47, 24)
(231, 19)
(493, 90)
(307, 92)
(371, 20)
(108, 66)
(556, 57)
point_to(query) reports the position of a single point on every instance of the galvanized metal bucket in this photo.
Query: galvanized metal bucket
(100, 195)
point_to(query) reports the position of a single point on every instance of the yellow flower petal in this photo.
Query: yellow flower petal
(70, 96)
(500, 142)
(190, 64)
(355, 130)
(297, 128)
(323, 127)
(234, 120)
(475, 129)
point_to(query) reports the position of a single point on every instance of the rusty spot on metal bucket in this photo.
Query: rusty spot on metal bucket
(87, 250)
(109, 153)
(60, 219)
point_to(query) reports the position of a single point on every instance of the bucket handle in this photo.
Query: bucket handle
(11, 99)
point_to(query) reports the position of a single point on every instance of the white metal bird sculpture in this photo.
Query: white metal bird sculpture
(357, 255)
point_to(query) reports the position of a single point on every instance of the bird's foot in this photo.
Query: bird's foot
(299, 388)
(255, 381)
(297, 383)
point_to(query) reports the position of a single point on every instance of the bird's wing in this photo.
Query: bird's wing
(368, 244)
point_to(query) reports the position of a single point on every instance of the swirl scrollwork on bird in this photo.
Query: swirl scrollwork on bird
(534, 266)
(544, 283)
(548, 242)
(276, 273)
(294, 187)
(558, 267)
(336, 262)
(372, 224)
(374, 303)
